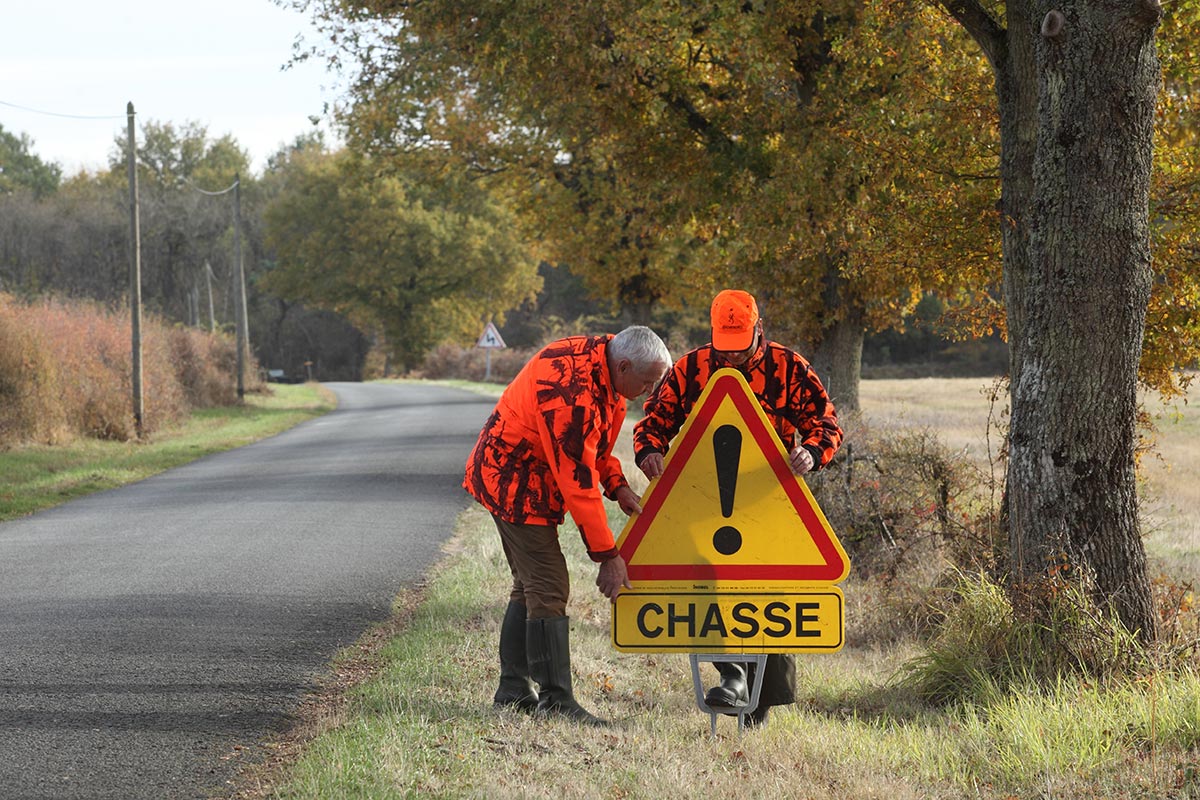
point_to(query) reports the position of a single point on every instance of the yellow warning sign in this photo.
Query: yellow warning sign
(729, 622)
(728, 510)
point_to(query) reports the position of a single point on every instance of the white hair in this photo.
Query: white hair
(642, 347)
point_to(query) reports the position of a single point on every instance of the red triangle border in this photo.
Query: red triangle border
(834, 568)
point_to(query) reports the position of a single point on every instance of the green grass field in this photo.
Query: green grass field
(41, 476)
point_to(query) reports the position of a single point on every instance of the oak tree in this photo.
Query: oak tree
(665, 150)
(417, 256)
(1077, 85)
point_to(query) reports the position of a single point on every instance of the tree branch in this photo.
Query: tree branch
(981, 25)
(697, 122)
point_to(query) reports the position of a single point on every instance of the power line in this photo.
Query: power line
(211, 194)
(55, 114)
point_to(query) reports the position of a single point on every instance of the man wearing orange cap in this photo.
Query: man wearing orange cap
(798, 409)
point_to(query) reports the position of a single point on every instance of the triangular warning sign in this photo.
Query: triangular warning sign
(490, 338)
(728, 507)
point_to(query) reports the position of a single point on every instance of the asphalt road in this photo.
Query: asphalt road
(146, 632)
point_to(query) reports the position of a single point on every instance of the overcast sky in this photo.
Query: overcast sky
(218, 63)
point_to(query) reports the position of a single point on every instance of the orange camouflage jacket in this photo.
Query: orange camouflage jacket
(547, 447)
(787, 388)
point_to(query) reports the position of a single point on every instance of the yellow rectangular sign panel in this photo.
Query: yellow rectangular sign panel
(793, 620)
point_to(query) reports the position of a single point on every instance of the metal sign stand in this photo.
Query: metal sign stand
(758, 659)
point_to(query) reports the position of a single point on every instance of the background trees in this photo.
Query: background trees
(19, 167)
(417, 257)
(664, 150)
(73, 242)
(839, 158)
(183, 229)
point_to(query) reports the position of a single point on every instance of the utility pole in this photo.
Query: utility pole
(237, 277)
(208, 279)
(242, 333)
(135, 277)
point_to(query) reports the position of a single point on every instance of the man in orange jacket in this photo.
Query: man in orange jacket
(799, 411)
(547, 449)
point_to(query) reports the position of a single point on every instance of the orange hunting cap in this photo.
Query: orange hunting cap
(734, 315)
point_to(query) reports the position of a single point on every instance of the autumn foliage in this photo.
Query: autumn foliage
(65, 372)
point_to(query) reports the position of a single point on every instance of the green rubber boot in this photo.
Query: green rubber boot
(516, 687)
(548, 642)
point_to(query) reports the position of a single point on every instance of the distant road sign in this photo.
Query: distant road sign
(490, 338)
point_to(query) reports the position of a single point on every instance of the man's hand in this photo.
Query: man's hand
(652, 465)
(629, 501)
(802, 460)
(613, 578)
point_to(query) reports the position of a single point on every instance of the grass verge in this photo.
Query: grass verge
(408, 714)
(421, 723)
(39, 477)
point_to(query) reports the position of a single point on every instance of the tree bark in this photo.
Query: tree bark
(837, 357)
(1077, 88)
(838, 363)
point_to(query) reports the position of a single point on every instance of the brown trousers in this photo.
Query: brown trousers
(539, 569)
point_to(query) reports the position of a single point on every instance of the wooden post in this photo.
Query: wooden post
(135, 276)
(240, 303)
(208, 278)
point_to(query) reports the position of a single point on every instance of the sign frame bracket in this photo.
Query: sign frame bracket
(760, 662)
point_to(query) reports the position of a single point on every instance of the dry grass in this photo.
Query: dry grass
(1171, 489)
(965, 414)
(960, 411)
(420, 724)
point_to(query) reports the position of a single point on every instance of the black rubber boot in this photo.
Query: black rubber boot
(732, 691)
(548, 641)
(516, 687)
(758, 717)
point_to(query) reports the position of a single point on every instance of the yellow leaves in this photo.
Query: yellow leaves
(603, 681)
(707, 142)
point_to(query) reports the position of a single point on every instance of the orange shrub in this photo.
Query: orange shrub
(65, 369)
(30, 390)
(204, 365)
(93, 354)
(164, 397)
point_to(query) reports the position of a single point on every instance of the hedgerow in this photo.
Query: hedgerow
(65, 372)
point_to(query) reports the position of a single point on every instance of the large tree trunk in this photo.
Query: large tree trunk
(838, 363)
(837, 357)
(1077, 90)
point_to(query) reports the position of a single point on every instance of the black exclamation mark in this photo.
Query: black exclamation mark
(727, 447)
